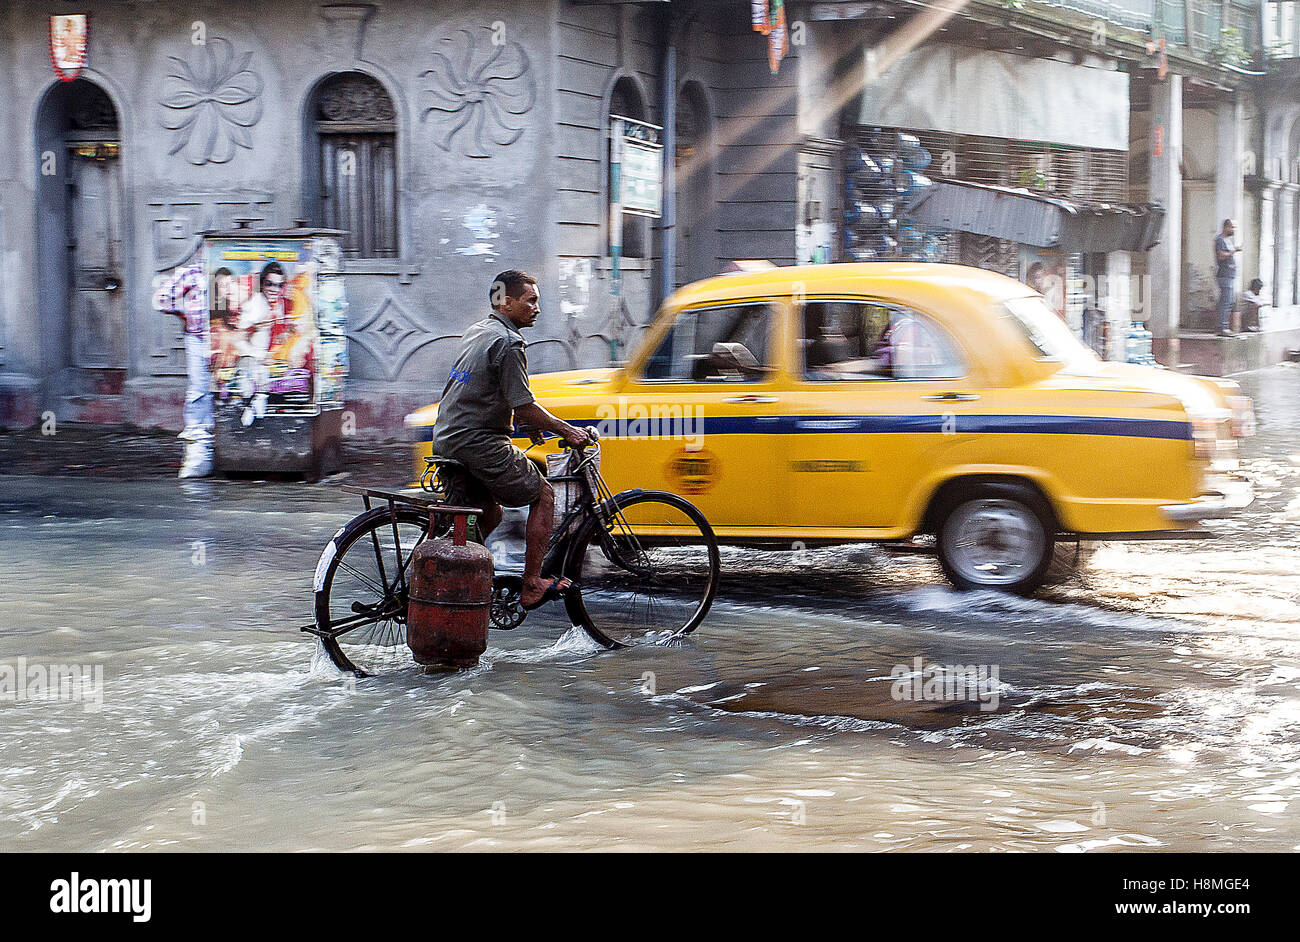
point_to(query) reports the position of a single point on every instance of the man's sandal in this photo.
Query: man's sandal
(552, 593)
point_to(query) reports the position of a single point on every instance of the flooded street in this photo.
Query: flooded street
(1154, 706)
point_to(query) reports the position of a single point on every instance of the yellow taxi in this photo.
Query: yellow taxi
(830, 404)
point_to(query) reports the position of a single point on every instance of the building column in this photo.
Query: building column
(1228, 200)
(1286, 237)
(1267, 242)
(1165, 260)
(1118, 301)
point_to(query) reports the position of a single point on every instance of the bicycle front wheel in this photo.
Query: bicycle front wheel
(361, 590)
(649, 574)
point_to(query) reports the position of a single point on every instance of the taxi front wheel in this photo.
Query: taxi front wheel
(996, 536)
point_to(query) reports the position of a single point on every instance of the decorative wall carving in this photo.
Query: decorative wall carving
(210, 101)
(391, 337)
(479, 89)
(346, 24)
(353, 97)
(177, 221)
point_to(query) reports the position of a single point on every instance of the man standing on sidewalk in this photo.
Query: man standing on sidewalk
(1225, 275)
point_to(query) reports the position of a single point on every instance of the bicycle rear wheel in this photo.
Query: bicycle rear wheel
(361, 590)
(649, 575)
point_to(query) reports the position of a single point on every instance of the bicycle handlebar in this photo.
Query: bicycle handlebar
(545, 436)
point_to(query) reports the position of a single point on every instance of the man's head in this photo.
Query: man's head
(272, 282)
(514, 295)
(1229, 227)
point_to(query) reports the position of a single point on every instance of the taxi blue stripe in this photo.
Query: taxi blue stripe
(893, 424)
(887, 424)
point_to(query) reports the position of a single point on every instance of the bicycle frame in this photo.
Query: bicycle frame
(596, 508)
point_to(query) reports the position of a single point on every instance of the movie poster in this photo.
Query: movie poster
(332, 348)
(263, 333)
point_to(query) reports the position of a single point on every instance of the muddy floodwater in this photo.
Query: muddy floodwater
(1154, 706)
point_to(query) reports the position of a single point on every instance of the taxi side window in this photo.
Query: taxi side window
(847, 341)
(715, 345)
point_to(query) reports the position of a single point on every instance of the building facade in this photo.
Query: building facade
(1185, 111)
(453, 140)
(449, 140)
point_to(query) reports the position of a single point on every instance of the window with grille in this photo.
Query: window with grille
(1082, 174)
(356, 155)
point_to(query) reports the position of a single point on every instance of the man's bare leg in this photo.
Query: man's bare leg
(541, 517)
(489, 519)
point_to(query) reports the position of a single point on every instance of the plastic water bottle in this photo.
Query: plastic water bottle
(1148, 357)
(1131, 344)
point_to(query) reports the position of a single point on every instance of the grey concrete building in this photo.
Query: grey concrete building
(450, 140)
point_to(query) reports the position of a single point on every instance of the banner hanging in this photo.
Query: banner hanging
(69, 37)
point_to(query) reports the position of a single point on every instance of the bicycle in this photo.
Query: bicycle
(646, 564)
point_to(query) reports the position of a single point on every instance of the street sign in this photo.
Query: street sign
(642, 178)
(638, 167)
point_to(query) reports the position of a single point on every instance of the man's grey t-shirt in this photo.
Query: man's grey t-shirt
(1227, 267)
(488, 381)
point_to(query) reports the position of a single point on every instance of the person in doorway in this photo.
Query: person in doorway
(1225, 275)
(486, 394)
(1251, 302)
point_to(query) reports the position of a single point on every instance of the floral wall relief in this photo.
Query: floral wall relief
(479, 88)
(210, 101)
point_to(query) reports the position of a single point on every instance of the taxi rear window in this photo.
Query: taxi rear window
(847, 341)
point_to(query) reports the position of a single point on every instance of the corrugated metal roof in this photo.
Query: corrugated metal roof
(1030, 218)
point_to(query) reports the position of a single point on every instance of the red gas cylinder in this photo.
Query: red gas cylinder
(450, 597)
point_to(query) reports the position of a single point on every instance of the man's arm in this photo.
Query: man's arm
(514, 386)
(534, 416)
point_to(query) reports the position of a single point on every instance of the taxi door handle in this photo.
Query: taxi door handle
(752, 399)
(952, 397)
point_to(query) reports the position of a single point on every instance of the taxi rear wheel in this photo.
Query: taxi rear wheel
(996, 536)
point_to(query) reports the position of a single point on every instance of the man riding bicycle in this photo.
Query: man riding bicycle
(486, 395)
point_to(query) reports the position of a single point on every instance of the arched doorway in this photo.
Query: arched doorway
(81, 230)
(626, 101)
(696, 257)
(350, 172)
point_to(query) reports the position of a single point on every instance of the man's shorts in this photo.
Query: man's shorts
(497, 472)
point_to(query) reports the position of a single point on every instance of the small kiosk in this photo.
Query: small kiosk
(277, 314)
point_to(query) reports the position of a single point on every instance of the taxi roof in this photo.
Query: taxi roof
(846, 276)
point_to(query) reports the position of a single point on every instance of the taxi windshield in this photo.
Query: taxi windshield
(1046, 333)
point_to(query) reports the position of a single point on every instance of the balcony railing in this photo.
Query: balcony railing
(1224, 30)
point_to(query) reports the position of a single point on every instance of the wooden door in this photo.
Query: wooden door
(97, 319)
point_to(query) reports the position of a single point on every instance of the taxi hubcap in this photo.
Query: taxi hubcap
(994, 542)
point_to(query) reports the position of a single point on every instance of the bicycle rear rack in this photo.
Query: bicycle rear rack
(430, 504)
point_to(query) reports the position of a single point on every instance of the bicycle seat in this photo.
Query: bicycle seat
(451, 464)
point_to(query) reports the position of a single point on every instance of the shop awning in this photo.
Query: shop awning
(956, 89)
(1030, 218)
